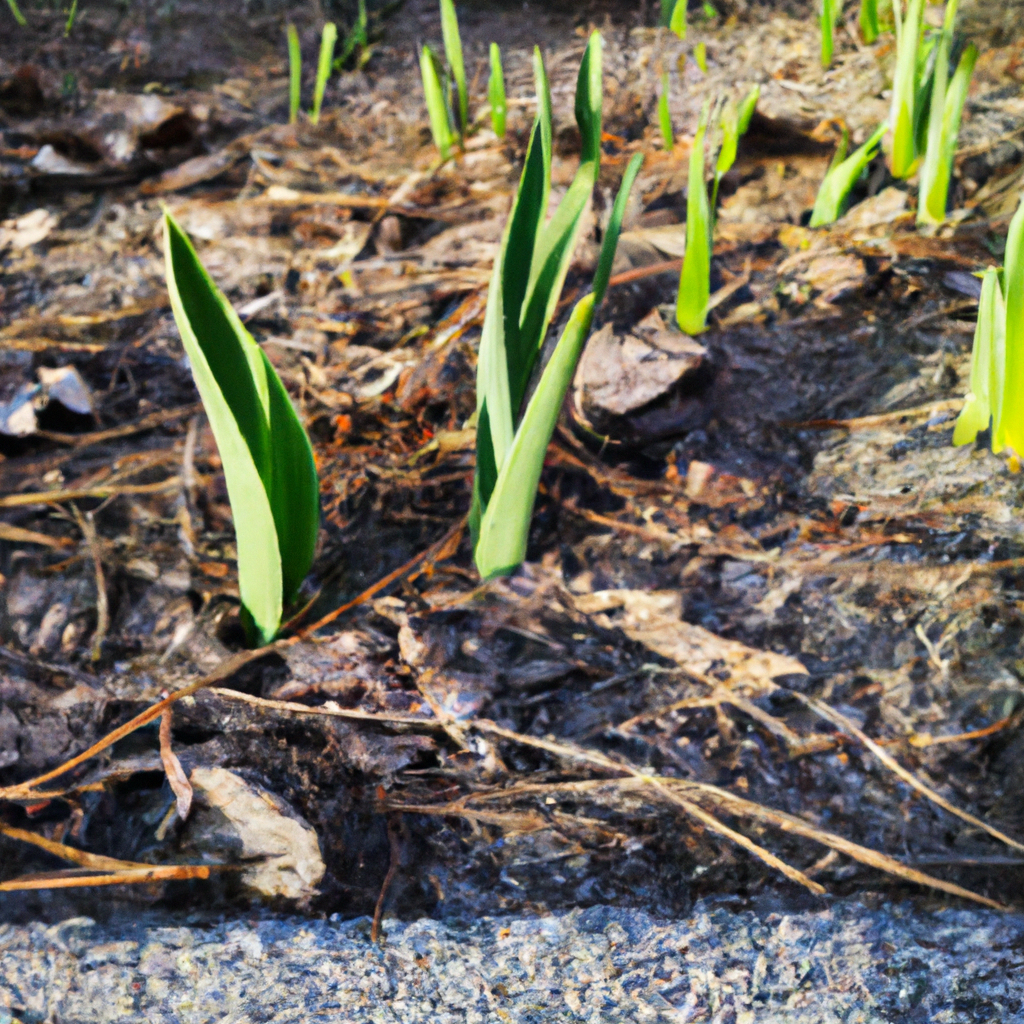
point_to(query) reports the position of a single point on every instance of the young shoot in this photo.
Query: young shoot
(869, 24)
(456, 65)
(828, 16)
(700, 55)
(16, 12)
(328, 39)
(294, 74)
(437, 104)
(356, 43)
(677, 21)
(267, 458)
(842, 176)
(906, 87)
(997, 360)
(734, 123)
(947, 106)
(665, 114)
(496, 93)
(526, 283)
(695, 279)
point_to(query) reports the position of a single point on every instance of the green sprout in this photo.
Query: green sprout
(997, 359)
(456, 64)
(984, 403)
(356, 40)
(700, 55)
(947, 106)
(496, 93)
(294, 74)
(72, 14)
(665, 115)
(267, 458)
(437, 104)
(734, 124)
(677, 22)
(15, 10)
(869, 23)
(906, 87)
(828, 16)
(844, 172)
(328, 39)
(526, 283)
(695, 279)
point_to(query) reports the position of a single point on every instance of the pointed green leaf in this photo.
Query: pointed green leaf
(263, 448)
(323, 69)
(747, 108)
(977, 411)
(869, 24)
(937, 169)
(905, 86)
(437, 108)
(453, 53)
(695, 280)
(294, 74)
(839, 181)
(677, 23)
(588, 100)
(496, 93)
(1013, 287)
(611, 236)
(665, 115)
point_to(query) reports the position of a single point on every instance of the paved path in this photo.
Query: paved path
(602, 966)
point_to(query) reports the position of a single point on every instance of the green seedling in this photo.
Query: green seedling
(677, 21)
(828, 16)
(906, 87)
(267, 458)
(328, 39)
(734, 123)
(72, 14)
(700, 55)
(665, 115)
(1012, 416)
(695, 279)
(527, 280)
(16, 12)
(984, 402)
(869, 23)
(456, 64)
(437, 105)
(496, 93)
(356, 42)
(947, 106)
(294, 74)
(842, 176)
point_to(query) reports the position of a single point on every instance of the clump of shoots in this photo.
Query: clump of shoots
(294, 74)
(328, 39)
(665, 114)
(526, 283)
(841, 177)
(945, 111)
(266, 455)
(869, 23)
(496, 93)
(828, 16)
(997, 359)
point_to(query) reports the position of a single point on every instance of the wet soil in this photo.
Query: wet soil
(796, 492)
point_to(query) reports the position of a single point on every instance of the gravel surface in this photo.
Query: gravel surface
(847, 963)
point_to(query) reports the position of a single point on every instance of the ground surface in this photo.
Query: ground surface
(751, 558)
